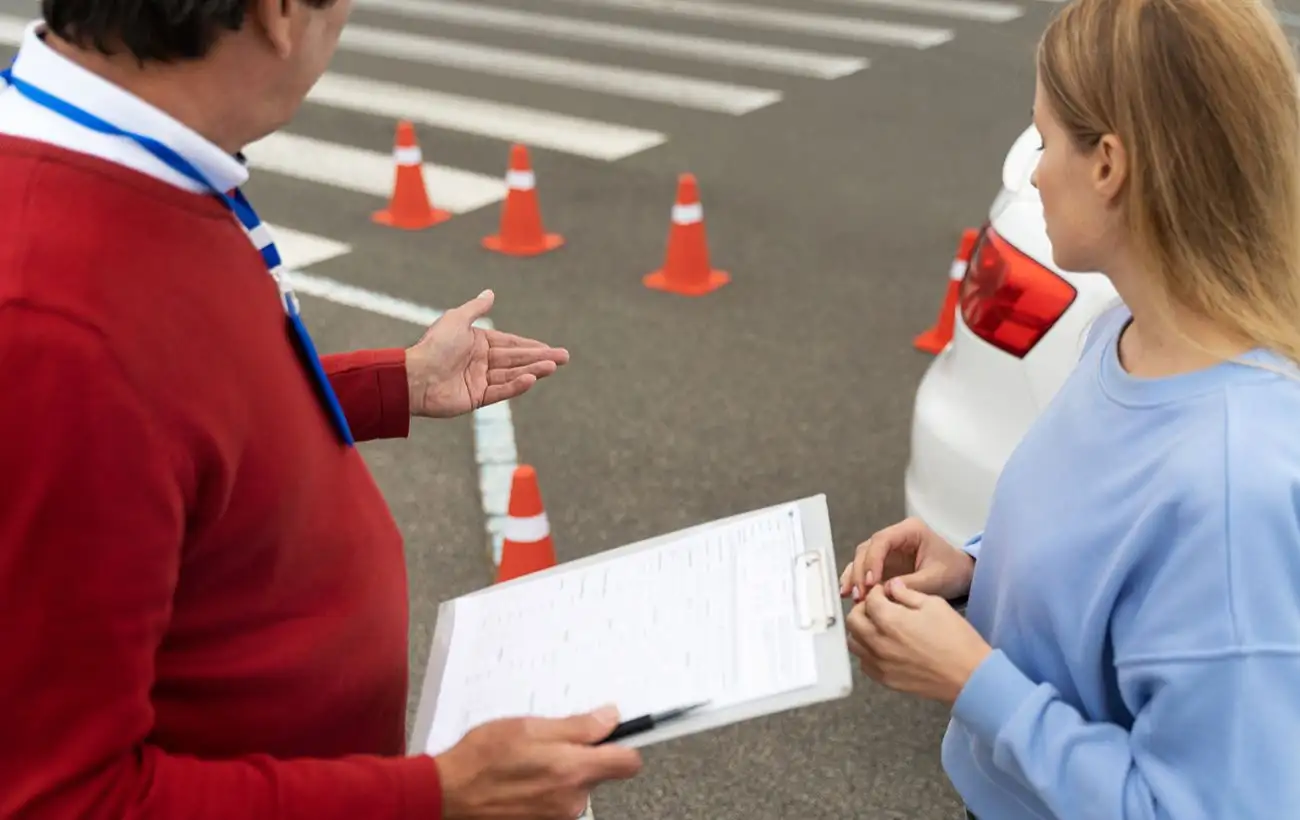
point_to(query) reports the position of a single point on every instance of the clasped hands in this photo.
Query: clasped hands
(904, 633)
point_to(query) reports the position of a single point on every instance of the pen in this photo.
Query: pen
(645, 723)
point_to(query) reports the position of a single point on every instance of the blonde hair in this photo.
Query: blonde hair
(1203, 95)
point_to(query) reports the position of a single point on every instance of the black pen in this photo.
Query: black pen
(645, 723)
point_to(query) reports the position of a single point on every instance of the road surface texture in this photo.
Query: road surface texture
(838, 160)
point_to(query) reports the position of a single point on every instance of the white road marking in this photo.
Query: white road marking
(772, 17)
(12, 30)
(704, 49)
(531, 126)
(653, 86)
(300, 250)
(985, 10)
(368, 172)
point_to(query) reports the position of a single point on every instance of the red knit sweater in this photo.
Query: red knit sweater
(203, 603)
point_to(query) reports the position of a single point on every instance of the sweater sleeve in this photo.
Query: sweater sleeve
(1215, 739)
(373, 390)
(1206, 659)
(92, 521)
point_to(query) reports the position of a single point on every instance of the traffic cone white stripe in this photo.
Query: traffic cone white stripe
(528, 530)
(688, 214)
(521, 180)
(408, 155)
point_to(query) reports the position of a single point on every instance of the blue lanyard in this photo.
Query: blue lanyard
(236, 203)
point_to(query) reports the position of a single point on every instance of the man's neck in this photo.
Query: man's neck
(180, 90)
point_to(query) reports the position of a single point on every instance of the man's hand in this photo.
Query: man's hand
(532, 768)
(456, 368)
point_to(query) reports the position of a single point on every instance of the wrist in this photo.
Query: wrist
(963, 668)
(414, 386)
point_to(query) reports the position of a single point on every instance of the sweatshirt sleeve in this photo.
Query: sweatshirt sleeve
(92, 521)
(1207, 661)
(373, 390)
(1216, 739)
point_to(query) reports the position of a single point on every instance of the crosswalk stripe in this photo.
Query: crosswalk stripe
(368, 172)
(531, 126)
(984, 10)
(771, 17)
(301, 250)
(12, 29)
(654, 86)
(705, 49)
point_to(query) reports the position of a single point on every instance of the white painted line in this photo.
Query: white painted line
(704, 49)
(370, 301)
(300, 250)
(653, 86)
(12, 29)
(497, 455)
(984, 10)
(772, 17)
(530, 126)
(368, 172)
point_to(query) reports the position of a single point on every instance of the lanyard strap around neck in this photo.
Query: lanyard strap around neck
(236, 202)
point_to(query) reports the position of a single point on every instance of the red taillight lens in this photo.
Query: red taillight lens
(1008, 299)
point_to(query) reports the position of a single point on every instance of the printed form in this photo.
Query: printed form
(707, 616)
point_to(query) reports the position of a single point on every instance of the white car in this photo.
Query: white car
(1020, 327)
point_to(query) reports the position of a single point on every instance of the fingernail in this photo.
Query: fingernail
(487, 292)
(871, 577)
(607, 714)
(857, 593)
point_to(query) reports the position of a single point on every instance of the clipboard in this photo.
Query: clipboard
(816, 602)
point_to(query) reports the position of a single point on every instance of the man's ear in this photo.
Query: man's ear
(1111, 166)
(275, 18)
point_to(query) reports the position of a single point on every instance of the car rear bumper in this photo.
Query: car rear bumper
(971, 409)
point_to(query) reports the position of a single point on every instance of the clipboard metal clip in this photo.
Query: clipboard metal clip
(817, 603)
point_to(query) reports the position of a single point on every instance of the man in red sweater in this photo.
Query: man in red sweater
(203, 602)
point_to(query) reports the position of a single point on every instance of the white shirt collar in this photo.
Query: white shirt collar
(48, 70)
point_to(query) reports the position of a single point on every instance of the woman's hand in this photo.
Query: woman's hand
(914, 643)
(912, 552)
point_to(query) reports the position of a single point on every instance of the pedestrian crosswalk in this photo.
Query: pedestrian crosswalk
(640, 60)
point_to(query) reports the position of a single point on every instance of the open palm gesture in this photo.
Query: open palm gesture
(456, 368)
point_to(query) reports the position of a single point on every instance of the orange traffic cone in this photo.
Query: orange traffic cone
(521, 232)
(527, 547)
(686, 268)
(937, 337)
(409, 208)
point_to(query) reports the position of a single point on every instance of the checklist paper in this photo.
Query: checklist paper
(711, 615)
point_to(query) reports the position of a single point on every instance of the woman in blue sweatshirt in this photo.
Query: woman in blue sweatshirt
(1132, 641)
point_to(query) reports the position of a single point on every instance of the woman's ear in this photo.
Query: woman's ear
(1110, 167)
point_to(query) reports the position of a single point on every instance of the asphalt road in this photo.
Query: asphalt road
(836, 210)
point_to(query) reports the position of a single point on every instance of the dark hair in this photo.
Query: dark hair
(159, 30)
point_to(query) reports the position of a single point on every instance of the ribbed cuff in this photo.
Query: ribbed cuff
(421, 789)
(995, 691)
(394, 393)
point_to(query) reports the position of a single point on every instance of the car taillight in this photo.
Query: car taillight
(1008, 299)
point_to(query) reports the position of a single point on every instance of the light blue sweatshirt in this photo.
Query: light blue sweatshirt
(1139, 581)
